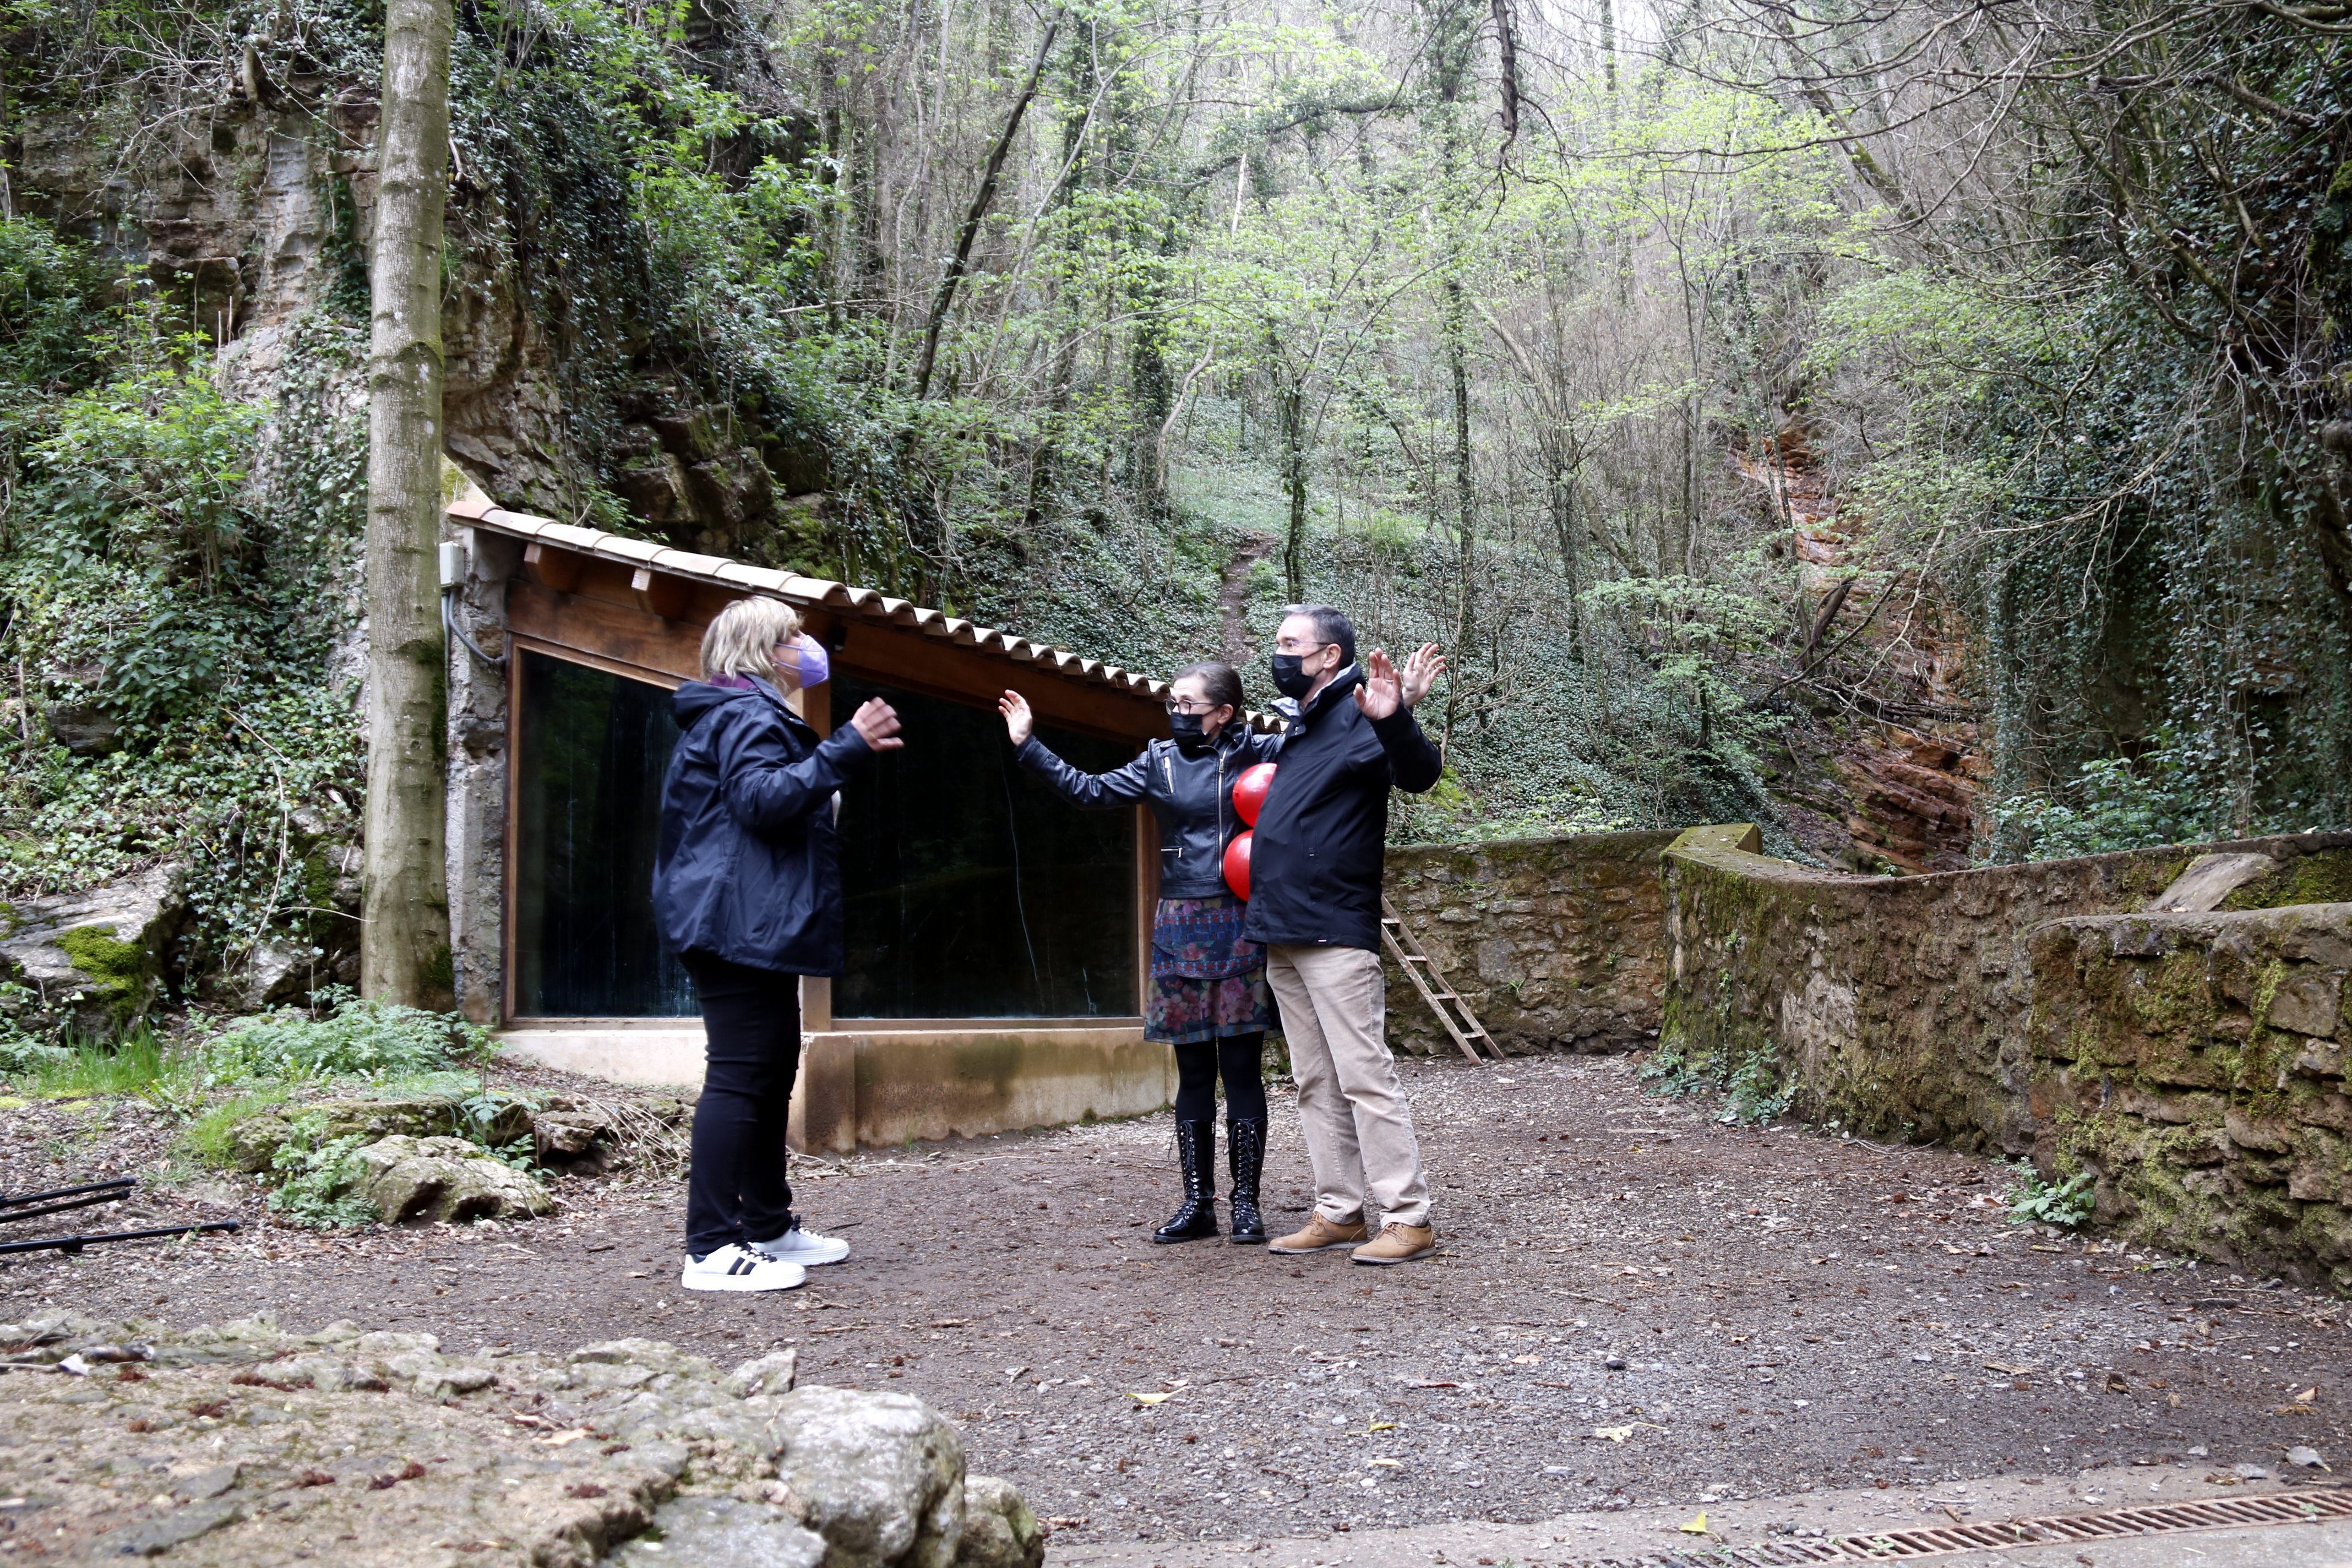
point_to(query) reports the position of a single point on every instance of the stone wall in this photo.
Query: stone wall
(2194, 1063)
(1988, 1008)
(1557, 943)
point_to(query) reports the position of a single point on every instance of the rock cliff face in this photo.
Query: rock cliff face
(248, 218)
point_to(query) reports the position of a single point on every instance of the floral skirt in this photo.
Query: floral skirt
(1207, 982)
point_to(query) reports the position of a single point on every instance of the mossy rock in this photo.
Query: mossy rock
(2325, 878)
(255, 1142)
(95, 961)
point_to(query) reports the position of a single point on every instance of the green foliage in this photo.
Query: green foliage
(177, 562)
(2033, 1201)
(2114, 803)
(150, 468)
(140, 1064)
(1751, 1085)
(211, 1135)
(316, 1177)
(357, 1038)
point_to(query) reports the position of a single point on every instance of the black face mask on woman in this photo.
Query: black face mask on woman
(1187, 728)
(1290, 677)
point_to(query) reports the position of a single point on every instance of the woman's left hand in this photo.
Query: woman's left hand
(1018, 720)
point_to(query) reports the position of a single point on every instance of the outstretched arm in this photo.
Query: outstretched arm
(1088, 792)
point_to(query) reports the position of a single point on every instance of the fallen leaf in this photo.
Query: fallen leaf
(1379, 1426)
(1696, 1526)
(558, 1439)
(1151, 1398)
(1385, 1464)
(1419, 1384)
(2020, 1370)
(1613, 1433)
(2308, 1395)
(1527, 1360)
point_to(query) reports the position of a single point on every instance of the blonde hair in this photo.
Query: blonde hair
(742, 640)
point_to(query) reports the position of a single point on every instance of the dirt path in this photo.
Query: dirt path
(1739, 1312)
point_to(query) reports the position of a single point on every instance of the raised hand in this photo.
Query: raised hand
(876, 723)
(1018, 720)
(1421, 672)
(1382, 693)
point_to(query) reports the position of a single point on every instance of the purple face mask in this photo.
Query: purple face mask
(814, 664)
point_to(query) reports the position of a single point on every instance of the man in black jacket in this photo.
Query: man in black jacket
(1315, 902)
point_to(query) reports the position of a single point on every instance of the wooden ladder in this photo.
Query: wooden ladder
(1435, 989)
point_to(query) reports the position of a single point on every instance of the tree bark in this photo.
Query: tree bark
(1291, 397)
(404, 942)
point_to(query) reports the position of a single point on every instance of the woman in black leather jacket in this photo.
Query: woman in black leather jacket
(1208, 998)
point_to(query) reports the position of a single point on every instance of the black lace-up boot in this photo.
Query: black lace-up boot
(1246, 1157)
(1196, 1151)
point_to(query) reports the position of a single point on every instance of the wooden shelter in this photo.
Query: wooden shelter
(998, 941)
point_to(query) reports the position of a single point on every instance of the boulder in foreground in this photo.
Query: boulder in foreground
(241, 1445)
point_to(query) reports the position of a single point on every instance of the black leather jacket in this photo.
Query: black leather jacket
(1191, 792)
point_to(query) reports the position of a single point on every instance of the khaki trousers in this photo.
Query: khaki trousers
(1351, 1107)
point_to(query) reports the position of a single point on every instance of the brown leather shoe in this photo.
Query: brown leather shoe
(1398, 1243)
(1320, 1236)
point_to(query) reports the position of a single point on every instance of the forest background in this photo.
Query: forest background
(1922, 428)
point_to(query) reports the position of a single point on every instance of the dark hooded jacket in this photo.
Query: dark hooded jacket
(1315, 864)
(1191, 793)
(745, 870)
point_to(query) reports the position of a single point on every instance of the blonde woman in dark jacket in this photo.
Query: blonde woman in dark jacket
(748, 892)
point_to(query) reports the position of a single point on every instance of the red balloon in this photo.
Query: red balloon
(1249, 791)
(1237, 856)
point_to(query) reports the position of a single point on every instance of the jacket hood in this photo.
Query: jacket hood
(696, 699)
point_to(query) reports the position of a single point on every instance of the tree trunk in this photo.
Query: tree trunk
(1291, 398)
(404, 943)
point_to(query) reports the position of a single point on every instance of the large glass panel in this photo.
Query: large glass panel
(973, 892)
(588, 808)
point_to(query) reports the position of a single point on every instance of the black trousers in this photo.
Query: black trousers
(1198, 1063)
(735, 1189)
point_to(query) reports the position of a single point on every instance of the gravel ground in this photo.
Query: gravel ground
(1635, 1305)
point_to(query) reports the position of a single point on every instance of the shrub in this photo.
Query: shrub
(212, 1137)
(316, 1178)
(2033, 1201)
(359, 1039)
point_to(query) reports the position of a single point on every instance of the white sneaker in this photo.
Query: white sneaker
(803, 1247)
(733, 1267)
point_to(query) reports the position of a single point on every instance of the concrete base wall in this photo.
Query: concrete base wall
(871, 1089)
(868, 1089)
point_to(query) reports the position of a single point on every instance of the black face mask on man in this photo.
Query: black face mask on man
(1290, 677)
(1188, 730)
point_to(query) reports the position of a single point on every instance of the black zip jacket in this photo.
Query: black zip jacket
(1315, 865)
(1191, 793)
(746, 869)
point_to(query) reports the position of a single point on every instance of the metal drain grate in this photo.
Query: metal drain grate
(1943, 1539)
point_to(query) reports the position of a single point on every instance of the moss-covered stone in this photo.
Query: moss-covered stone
(118, 971)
